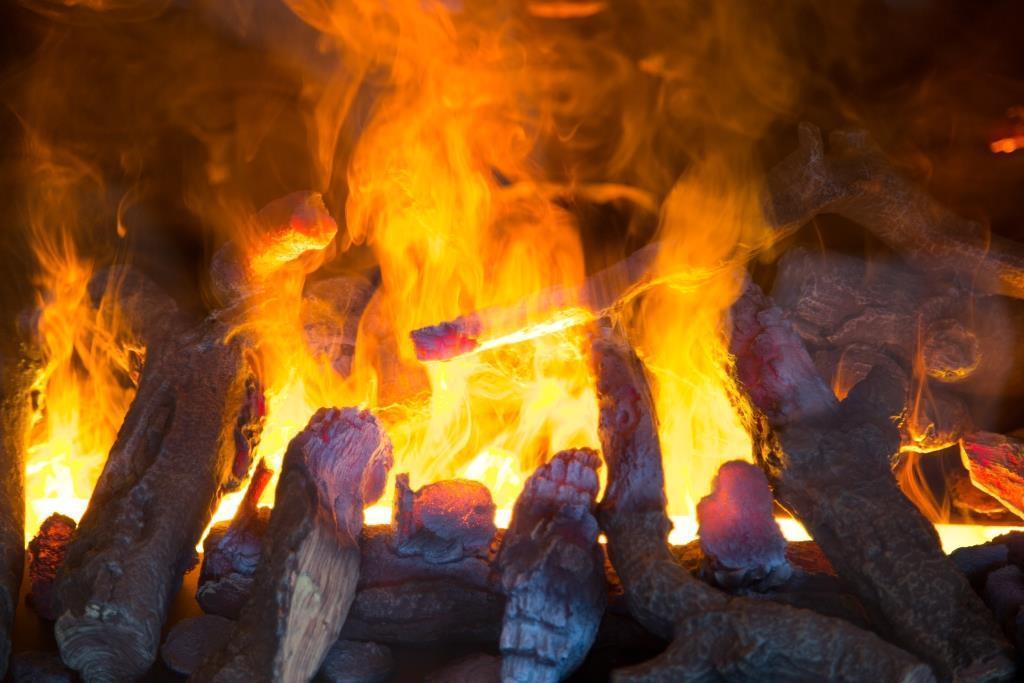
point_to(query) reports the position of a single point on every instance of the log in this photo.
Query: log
(714, 636)
(330, 314)
(46, 553)
(742, 544)
(307, 577)
(996, 466)
(191, 640)
(545, 311)
(189, 430)
(552, 571)
(349, 661)
(19, 367)
(39, 667)
(856, 181)
(830, 464)
(1004, 594)
(231, 552)
(446, 521)
(478, 668)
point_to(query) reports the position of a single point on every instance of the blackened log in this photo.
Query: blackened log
(191, 640)
(996, 465)
(472, 669)
(137, 309)
(442, 522)
(741, 541)
(40, 667)
(830, 464)
(552, 571)
(46, 553)
(350, 661)
(231, 552)
(309, 569)
(715, 636)
(191, 425)
(331, 311)
(856, 181)
(1004, 593)
(19, 367)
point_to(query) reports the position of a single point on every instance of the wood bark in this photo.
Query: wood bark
(714, 636)
(855, 180)
(830, 464)
(19, 367)
(187, 433)
(552, 572)
(996, 466)
(309, 569)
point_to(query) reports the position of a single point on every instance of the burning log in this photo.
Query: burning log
(713, 635)
(996, 466)
(192, 639)
(188, 437)
(443, 522)
(830, 465)
(742, 543)
(330, 315)
(310, 562)
(45, 556)
(856, 181)
(552, 570)
(555, 308)
(231, 552)
(19, 366)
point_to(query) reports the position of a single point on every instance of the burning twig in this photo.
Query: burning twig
(856, 181)
(543, 313)
(310, 563)
(552, 571)
(742, 543)
(830, 465)
(714, 635)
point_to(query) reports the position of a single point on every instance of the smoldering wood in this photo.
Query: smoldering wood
(740, 539)
(854, 179)
(20, 363)
(713, 634)
(45, 556)
(309, 568)
(552, 571)
(996, 466)
(192, 639)
(189, 425)
(595, 294)
(330, 314)
(830, 464)
(350, 661)
(444, 521)
(232, 550)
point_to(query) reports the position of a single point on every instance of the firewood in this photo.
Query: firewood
(855, 180)
(473, 669)
(742, 543)
(713, 635)
(552, 571)
(996, 465)
(830, 464)
(309, 569)
(191, 640)
(543, 311)
(443, 522)
(19, 365)
(45, 556)
(350, 661)
(40, 667)
(134, 306)
(231, 552)
(1004, 594)
(978, 561)
(330, 314)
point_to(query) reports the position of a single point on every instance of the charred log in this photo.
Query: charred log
(350, 661)
(552, 571)
(45, 556)
(742, 543)
(473, 669)
(40, 667)
(191, 426)
(1004, 594)
(856, 181)
(443, 522)
(331, 310)
(192, 640)
(830, 464)
(996, 465)
(309, 569)
(231, 552)
(713, 635)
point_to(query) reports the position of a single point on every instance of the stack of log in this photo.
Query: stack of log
(305, 590)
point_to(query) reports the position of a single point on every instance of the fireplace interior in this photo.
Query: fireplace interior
(514, 340)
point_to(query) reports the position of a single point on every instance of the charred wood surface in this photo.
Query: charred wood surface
(830, 465)
(714, 636)
(552, 572)
(46, 553)
(443, 522)
(189, 430)
(996, 466)
(309, 569)
(330, 314)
